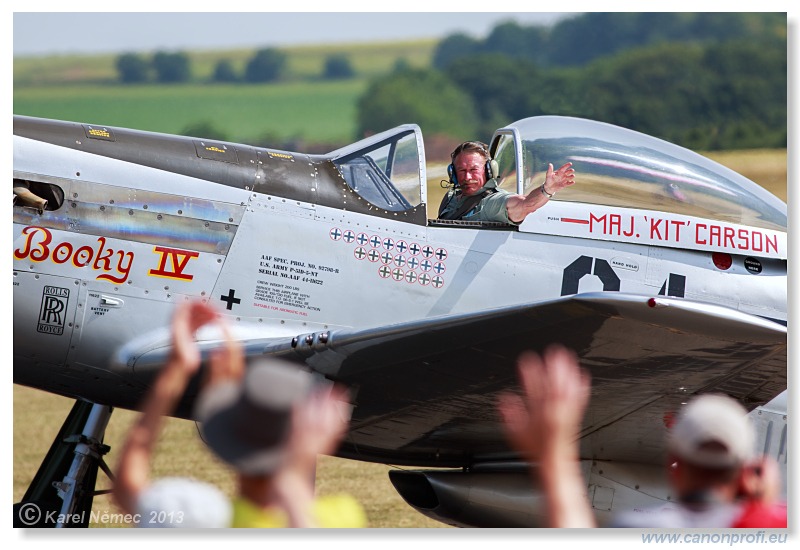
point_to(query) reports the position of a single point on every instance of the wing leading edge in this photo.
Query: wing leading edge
(428, 392)
(425, 392)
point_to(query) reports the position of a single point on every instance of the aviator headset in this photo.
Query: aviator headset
(491, 167)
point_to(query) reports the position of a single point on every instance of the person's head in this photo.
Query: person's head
(761, 480)
(248, 424)
(182, 502)
(709, 443)
(470, 167)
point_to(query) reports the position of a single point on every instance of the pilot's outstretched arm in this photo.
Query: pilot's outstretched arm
(519, 206)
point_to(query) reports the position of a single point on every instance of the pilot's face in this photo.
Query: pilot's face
(470, 171)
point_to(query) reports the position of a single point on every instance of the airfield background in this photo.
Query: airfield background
(706, 81)
(712, 82)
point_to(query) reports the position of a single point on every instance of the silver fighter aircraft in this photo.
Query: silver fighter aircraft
(663, 270)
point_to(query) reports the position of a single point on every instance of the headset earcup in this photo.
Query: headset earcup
(492, 169)
(451, 173)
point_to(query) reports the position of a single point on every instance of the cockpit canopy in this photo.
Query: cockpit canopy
(622, 168)
(614, 167)
(387, 169)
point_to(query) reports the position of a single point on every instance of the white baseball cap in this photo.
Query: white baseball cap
(712, 431)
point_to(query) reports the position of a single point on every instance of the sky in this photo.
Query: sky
(44, 33)
(98, 27)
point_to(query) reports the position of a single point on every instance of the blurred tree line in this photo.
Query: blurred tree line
(706, 81)
(266, 65)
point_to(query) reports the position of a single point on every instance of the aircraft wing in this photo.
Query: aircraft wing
(425, 392)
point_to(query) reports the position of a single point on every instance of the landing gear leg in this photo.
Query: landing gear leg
(63, 489)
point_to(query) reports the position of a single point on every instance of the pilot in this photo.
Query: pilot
(475, 196)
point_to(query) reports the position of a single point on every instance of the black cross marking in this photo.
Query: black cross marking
(229, 299)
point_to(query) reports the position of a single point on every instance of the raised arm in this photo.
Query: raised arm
(318, 425)
(133, 469)
(543, 426)
(519, 206)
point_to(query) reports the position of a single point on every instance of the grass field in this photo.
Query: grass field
(322, 112)
(38, 416)
(300, 107)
